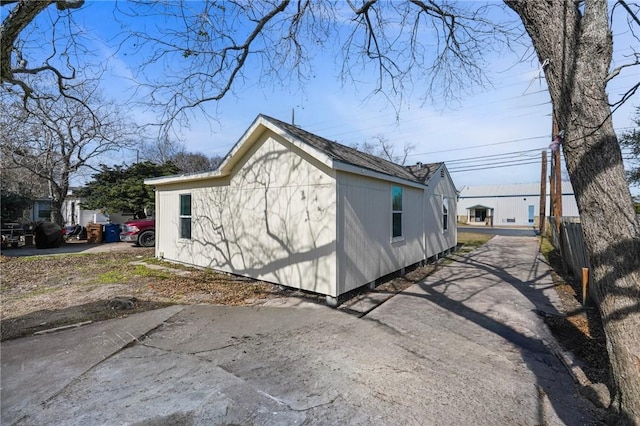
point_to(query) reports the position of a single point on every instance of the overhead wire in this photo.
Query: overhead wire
(471, 169)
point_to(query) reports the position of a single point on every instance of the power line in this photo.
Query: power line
(495, 163)
(482, 146)
(493, 156)
(492, 167)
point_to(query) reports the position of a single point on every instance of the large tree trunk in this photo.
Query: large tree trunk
(575, 49)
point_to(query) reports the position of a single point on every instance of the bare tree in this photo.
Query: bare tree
(193, 162)
(383, 148)
(167, 150)
(16, 67)
(437, 47)
(20, 180)
(160, 151)
(57, 136)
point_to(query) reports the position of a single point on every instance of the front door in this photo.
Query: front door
(531, 208)
(480, 215)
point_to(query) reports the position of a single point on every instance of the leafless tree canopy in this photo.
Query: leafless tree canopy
(208, 48)
(54, 52)
(381, 147)
(56, 136)
(166, 150)
(191, 53)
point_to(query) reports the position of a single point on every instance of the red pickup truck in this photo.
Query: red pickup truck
(139, 231)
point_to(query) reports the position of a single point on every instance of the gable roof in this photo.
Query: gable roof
(334, 151)
(348, 155)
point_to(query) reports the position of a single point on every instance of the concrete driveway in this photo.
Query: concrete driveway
(463, 347)
(69, 247)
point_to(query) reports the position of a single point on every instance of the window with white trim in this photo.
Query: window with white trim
(396, 212)
(185, 216)
(445, 213)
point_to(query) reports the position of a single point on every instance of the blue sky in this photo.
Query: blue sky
(508, 122)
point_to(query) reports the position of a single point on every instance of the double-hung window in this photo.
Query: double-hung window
(185, 216)
(396, 212)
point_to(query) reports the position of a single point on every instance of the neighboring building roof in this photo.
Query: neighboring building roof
(510, 190)
(479, 206)
(345, 154)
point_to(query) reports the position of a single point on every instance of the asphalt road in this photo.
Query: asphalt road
(506, 232)
(463, 347)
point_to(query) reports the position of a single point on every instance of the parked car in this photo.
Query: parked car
(12, 234)
(139, 231)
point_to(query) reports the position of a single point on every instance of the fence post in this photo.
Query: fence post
(585, 285)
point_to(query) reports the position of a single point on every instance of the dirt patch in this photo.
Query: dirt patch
(44, 292)
(580, 330)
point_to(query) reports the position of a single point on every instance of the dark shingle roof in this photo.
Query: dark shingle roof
(418, 173)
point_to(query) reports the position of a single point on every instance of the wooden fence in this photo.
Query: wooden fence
(570, 242)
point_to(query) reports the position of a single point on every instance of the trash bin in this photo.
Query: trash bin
(94, 233)
(111, 233)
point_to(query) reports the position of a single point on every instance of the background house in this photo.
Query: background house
(289, 207)
(74, 214)
(40, 210)
(509, 205)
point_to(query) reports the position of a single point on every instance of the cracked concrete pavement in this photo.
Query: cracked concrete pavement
(463, 347)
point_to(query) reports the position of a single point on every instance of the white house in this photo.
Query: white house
(74, 214)
(292, 208)
(509, 205)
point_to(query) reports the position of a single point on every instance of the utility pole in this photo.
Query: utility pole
(543, 193)
(552, 189)
(556, 179)
(556, 173)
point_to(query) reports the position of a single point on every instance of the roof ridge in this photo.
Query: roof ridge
(353, 156)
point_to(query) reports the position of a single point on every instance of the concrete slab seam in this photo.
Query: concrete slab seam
(134, 340)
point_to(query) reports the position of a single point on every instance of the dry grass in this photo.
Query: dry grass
(468, 241)
(41, 292)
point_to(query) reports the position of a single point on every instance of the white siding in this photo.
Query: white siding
(74, 214)
(365, 249)
(438, 239)
(273, 219)
(511, 203)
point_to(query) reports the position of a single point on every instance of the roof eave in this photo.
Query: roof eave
(362, 171)
(193, 177)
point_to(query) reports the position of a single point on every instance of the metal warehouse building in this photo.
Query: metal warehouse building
(509, 205)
